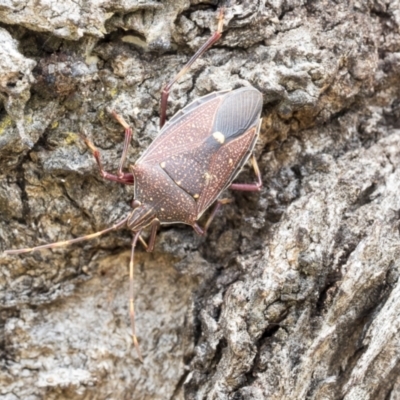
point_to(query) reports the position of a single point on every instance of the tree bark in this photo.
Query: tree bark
(294, 293)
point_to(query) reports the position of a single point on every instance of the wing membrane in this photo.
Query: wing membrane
(239, 111)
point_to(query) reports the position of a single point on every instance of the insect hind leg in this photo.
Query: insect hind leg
(218, 204)
(250, 187)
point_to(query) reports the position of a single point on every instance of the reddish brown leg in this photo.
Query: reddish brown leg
(154, 226)
(121, 177)
(152, 240)
(250, 187)
(132, 297)
(145, 245)
(127, 141)
(149, 247)
(202, 231)
(125, 178)
(165, 93)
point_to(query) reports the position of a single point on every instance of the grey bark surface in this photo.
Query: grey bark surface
(294, 293)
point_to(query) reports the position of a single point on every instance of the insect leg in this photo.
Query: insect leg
(250, 187)
(125, 178)
(131, 296)
(214, 38)
(135, 204)
(202, 231)
(127, 141)
(152, 240)
(68, 242)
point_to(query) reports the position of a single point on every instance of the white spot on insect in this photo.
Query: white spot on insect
(230, 161)
(151, 199)
(219, 137)
(179, 183)
(162, 209)
(162, 165)
(196, 196)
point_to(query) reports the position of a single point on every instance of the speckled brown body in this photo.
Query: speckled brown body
(197, 155)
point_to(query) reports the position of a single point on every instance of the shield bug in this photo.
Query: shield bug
(196, 156)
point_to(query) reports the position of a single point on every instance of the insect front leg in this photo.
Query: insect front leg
(155, 224)
(250, 187)
(121, 177)
(152, 240)
(165, 93)
(149, 246)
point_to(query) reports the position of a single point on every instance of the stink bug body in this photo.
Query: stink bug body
(196, 156)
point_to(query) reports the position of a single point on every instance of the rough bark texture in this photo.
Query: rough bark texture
(295, 292)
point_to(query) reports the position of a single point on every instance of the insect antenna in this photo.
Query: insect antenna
(116, 226)
(131, 296)
(54, 245)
